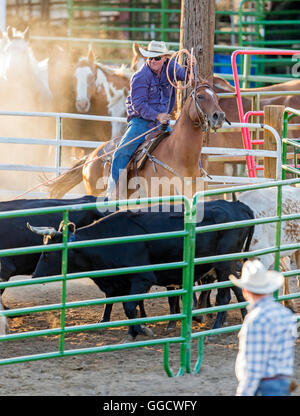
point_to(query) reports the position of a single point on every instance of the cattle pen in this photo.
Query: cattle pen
(55, 339)
(187, 265)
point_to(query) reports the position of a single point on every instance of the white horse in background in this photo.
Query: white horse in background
(24, 78)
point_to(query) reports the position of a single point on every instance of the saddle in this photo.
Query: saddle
(143, 152)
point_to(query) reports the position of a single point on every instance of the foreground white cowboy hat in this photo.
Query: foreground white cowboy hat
(154, 49)
(257, 279)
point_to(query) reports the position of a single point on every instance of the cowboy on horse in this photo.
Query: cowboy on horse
(149, 104)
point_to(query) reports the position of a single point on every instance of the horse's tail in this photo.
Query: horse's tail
(67, 180)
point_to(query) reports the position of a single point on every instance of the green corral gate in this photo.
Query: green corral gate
(188, 233)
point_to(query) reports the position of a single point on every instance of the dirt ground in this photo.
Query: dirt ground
(132, 372)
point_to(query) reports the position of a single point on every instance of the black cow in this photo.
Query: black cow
(126, 223)
(14, 233)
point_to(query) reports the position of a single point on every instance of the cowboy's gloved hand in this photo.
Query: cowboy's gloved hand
(163, 118)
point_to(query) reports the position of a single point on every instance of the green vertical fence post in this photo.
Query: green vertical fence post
(246, 70)
(164, 20)
(278, 228)
(64, 271)
(188, 281)
(278, 233)
(284, 144)
(71, 16)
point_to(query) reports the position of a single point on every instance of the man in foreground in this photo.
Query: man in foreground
(265, 360)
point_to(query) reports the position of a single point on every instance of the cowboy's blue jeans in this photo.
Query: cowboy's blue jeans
(278, 387)
(122, 156)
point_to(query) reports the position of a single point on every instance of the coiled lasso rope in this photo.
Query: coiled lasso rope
(189, 74)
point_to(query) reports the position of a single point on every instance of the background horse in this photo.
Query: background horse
(61, 64)
(24, 80)
(101, 90)
(82, 85)
(181, 150)
(234, 139)
(23, 87)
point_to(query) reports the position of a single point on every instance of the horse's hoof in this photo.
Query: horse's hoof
(147, 331)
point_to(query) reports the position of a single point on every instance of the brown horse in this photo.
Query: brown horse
(178, 155)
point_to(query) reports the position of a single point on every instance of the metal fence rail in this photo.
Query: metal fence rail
(188, 233)
(59, 142)
(289, 114)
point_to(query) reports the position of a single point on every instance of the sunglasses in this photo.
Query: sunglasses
(157, 58)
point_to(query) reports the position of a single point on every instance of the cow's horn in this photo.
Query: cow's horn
(51, 231)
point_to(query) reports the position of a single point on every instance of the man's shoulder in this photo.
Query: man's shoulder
(269, 311)
(143, 72)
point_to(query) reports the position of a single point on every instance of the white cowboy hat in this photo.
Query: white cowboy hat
(257, 279)
(154, 49)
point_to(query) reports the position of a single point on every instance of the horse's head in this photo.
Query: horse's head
(85, 76)
(19, 58)
(204, 109)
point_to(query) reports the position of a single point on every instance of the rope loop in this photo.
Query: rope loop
(177, 56)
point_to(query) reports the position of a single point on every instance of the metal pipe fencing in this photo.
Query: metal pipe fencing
(188, 263)
(59, 142)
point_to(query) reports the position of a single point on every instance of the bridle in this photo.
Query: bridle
(202, 117)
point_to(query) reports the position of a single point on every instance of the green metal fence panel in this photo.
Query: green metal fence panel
(289, 114)
(247, 26)
(265, 28)
(191, 229)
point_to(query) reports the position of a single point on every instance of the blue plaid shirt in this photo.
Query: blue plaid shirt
(266, 345)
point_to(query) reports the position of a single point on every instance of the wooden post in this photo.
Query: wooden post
(197, 30)
(274, 118)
